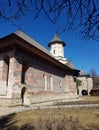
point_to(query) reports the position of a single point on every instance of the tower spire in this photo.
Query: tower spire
(57, 48)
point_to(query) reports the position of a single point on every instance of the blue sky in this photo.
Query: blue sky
(83, 53)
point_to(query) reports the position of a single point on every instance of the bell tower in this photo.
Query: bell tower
(57, 49)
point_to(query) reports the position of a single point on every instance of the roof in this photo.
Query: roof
(83, 73)
(27, 43)
(56, 39)
(32, 41)
(70, 64)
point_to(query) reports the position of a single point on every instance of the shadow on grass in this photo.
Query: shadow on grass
(6, 122)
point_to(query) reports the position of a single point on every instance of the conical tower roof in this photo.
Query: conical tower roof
(56, 39)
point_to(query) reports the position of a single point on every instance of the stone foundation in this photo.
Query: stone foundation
(37, 99)
(10, 102)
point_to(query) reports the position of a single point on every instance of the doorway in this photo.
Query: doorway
(25, 97)
(23, 91)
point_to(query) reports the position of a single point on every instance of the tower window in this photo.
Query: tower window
(53, 51)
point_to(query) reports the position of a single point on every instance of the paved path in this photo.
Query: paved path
(9, 110)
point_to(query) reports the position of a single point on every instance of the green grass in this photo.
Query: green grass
(52, 119)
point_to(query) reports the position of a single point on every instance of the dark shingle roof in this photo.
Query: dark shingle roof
(70, 64)
(56, 39)
(30, 40)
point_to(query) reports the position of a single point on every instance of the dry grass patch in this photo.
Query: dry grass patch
(91, 98)
(53, 119)
(83, 100)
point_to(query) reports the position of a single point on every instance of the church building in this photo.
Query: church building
(28, 67)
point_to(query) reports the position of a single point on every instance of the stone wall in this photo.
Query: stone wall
(86, 84)
(6, 73)
(10, 102)
(36, 74)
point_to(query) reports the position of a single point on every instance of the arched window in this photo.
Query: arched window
(6, 69)
(51, 83)
(24, 69)
(45, 82)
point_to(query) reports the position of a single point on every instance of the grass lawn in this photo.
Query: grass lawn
(52, 119)
(91, 98)
(83, 100)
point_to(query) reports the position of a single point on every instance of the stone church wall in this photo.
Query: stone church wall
(33, 72)
(34, 77)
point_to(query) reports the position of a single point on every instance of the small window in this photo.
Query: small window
(53, 51)
(45, 82)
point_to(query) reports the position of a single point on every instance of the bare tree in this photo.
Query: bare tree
(79, 15)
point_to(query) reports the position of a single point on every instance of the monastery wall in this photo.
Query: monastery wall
(37, 75)
(40, 76)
